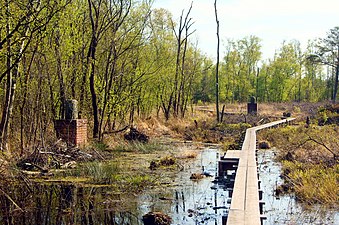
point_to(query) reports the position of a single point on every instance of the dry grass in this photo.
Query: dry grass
(153, 126)
(312, 145)
(204, 117)
(310, 161)
(313, 183)
(309, 155)
(187, 154)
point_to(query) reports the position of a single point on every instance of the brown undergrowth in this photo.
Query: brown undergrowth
(117, 161)
(309, 157)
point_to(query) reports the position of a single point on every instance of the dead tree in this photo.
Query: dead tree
(182, 35)
(217, 66)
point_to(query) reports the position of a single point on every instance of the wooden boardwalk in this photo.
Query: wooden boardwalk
(245, 203)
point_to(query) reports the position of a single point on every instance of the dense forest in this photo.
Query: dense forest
(123, 58)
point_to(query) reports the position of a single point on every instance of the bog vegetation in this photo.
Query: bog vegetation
(309, 156)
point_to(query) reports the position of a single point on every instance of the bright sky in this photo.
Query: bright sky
(273, 21)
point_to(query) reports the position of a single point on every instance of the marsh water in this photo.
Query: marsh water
(186, 201)
(285, 209)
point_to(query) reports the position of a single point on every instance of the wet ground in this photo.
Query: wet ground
(188, 202)
(191, 201)
(285, 209)
(204, 202)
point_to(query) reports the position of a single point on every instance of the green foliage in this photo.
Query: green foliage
(98, 172)
(139, 181)
(239, 69)
(240, 127)
(328, 114)
(100, 146)
(326, 53)
(135, 66)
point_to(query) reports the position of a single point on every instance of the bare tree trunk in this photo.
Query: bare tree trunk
(167, 108)
(217, 66)
(184, 25)
(24, 100)
(335, 91)
(62, 93)
(91, 61)
(10, 88)
(5, 113)
(92, 89)
(177, 71)
(73, 78)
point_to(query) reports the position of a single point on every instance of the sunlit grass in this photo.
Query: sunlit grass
(98, 172)
(313, 183)
(139, 181)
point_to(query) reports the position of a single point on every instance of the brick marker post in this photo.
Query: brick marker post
(71, 129)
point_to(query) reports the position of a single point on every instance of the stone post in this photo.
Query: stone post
(252, 107)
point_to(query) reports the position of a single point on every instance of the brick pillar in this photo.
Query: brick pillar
(73, 132)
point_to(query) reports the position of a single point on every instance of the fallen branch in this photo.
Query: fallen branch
(116, 131)
(55, 154)
(322, 144)
(9, 198)
(319, 143)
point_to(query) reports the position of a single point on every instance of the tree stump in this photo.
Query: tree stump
(156, 218)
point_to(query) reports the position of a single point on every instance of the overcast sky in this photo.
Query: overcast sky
(273, 21)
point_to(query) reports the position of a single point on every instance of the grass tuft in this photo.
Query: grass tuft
(98, 172)
(312, 183)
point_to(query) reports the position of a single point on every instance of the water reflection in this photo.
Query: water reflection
(191, 202)
(62, 204)
(285, 209)
(187, 202)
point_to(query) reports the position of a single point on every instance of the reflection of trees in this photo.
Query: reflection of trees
(60, 204)
(5, 210)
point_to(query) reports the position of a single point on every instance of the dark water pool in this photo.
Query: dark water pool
(188, 202)
(191, 201)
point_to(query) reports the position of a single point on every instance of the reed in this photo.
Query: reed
(98, 172)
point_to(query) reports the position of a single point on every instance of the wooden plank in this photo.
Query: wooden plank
(244, 207)
(238, 196)
(252, 212)
(233, 154)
